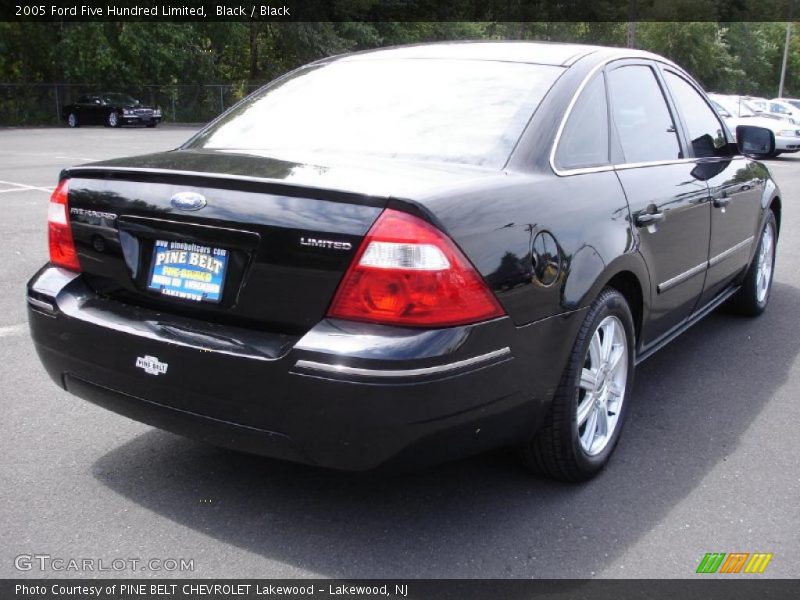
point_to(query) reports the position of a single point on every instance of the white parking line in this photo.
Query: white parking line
(25, 187)
(28, 189)
(11, 330)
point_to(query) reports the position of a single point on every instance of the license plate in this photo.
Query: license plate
(188, 271)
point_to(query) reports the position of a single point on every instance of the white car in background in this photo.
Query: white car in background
(736, 111)
(757, 103)
(778, 106)
(743, 106)
(795, 102)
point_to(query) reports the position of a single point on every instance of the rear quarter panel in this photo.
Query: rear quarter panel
(496, 222)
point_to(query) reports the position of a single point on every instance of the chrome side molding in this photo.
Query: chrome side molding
(680, 278)
(723, 255)
(389, 373)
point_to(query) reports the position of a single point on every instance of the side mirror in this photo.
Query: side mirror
(755, 140)
(707, 170)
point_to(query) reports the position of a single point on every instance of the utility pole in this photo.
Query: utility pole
(786, 49)
(631, 24)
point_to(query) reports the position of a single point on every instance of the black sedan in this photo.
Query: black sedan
(465, 246)
(111, 110)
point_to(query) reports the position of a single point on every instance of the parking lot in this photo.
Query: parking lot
(708, 461)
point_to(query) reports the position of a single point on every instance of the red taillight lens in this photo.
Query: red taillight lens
(407, 272)
(62, 247)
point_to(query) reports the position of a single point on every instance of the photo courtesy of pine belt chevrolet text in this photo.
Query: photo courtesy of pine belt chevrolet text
(409, 255)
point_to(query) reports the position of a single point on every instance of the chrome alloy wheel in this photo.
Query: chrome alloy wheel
(112, 119)
(601, 390)
(72, 120)
(765, 261)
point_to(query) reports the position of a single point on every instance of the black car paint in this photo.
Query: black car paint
(237, 376)
(94, 109)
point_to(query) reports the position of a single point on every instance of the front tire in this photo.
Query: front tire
(753, 297)
(588, 410)
(113, 119)
(72, 120)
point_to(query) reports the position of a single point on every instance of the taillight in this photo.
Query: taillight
(407, 272)
(62, 247)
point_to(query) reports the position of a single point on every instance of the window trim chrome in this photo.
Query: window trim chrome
(563, 125)
(612, 166)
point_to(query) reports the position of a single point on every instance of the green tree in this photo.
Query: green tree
(699, 47)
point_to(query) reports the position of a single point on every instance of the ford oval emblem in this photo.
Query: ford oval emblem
(188, 201)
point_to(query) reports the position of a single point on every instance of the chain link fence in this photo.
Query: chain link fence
(40, 103)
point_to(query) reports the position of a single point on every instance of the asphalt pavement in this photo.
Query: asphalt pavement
(708, 461)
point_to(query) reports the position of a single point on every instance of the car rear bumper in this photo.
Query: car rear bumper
(344, 395)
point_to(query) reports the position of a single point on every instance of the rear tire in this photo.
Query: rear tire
(753, 297)
(588, 410)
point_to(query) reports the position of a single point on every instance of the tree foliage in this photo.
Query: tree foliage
(739, 57)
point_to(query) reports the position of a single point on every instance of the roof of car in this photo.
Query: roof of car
(543, 53)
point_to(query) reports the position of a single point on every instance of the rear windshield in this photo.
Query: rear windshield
(463, 111)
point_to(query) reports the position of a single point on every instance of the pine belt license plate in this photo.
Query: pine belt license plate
(188, 271)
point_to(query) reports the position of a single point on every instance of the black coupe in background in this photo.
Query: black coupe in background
(411, 254)
(111, 110)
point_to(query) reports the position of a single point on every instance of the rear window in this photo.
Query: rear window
(584, 142)
(461, 111)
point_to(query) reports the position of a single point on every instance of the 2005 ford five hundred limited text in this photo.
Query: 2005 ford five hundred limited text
(409, 255)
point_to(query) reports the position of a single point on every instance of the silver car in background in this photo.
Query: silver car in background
(736, 110)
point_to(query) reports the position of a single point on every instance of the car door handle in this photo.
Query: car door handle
(644, 219)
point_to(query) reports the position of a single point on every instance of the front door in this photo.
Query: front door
(670, 207)
(734, 185)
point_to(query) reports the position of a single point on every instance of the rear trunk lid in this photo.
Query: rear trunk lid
(232, 238)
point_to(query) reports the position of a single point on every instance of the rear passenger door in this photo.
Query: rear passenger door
(93, 110)
(734, 186)
(82, 110)
(669, 205)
